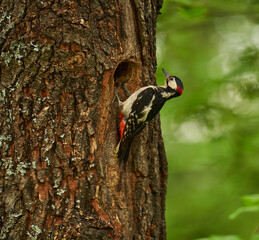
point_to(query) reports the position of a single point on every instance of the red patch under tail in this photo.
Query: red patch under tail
(122, 125)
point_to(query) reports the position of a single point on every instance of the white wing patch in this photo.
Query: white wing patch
(146, 110)
(167, 94)
(127, 105)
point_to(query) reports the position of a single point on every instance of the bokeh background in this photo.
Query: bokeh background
(211, 132)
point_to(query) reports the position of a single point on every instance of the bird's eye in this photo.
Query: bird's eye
(171, 78)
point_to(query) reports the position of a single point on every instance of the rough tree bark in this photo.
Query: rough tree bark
(60, 60)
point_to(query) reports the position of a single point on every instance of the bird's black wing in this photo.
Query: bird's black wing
(136, 120)
(145, 107)
(147, 104)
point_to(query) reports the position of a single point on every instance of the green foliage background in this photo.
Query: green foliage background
(211, 132)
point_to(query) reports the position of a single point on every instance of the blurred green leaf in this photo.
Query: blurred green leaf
(192, 12)
(250, 55)
(255, 237)
(230, 237)
(244, 210)
(211, 132)
(186, 2)
(251, 203)
(251, 200)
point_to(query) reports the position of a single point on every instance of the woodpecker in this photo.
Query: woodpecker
(141, 107)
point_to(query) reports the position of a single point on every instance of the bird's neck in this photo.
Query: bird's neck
(166, 92)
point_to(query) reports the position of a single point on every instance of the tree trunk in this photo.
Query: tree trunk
(59, 178)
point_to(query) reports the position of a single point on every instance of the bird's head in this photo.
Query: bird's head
(173, 84)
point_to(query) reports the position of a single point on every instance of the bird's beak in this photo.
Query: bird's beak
(166, 73)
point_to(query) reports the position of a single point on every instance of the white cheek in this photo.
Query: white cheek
(172, 84)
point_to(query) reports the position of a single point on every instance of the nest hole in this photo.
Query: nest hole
(125, 73)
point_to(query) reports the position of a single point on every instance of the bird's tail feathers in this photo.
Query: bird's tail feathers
(122, 151)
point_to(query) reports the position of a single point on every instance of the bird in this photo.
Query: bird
(140, 108)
